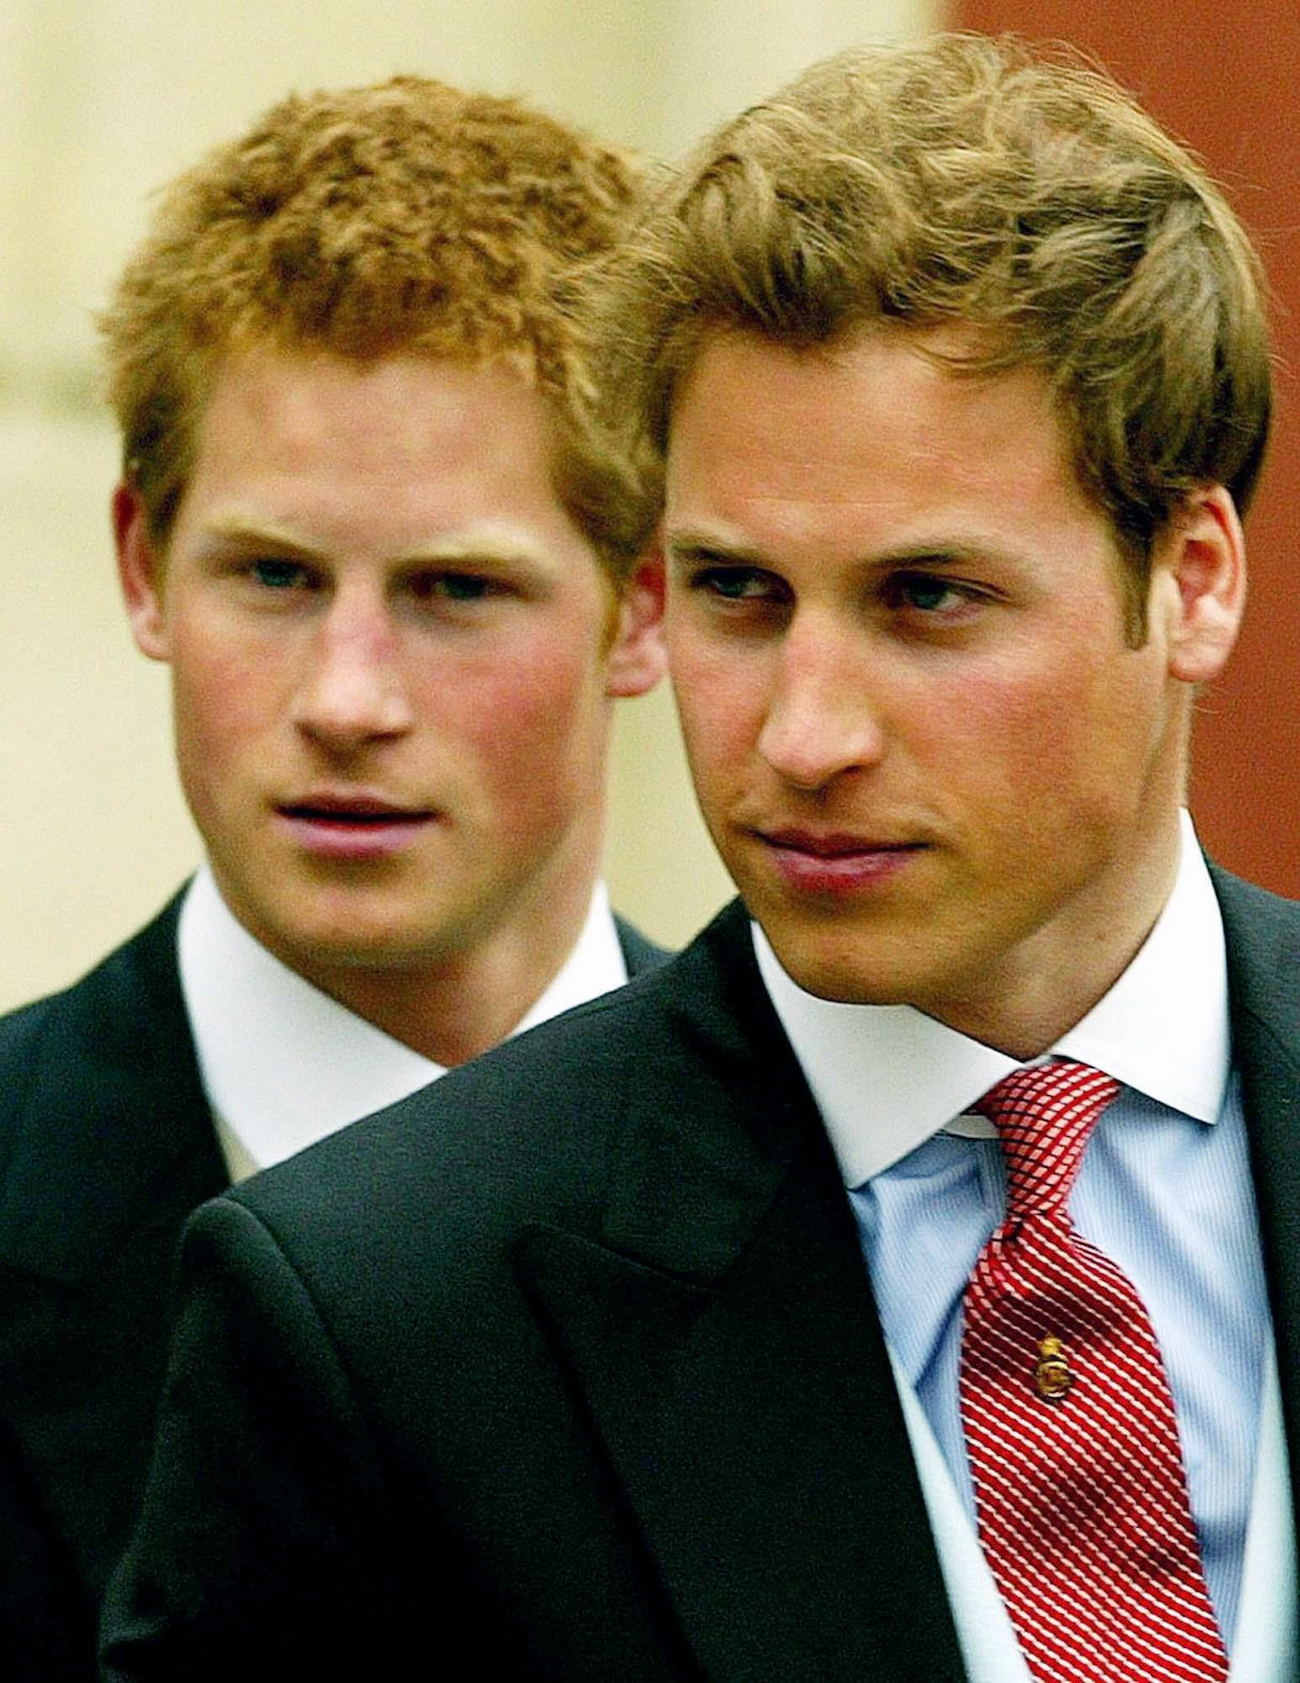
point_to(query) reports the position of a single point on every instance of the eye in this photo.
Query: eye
(931, 595)
(919, 590)
(275, 573)
(738, 584)
(454, 587)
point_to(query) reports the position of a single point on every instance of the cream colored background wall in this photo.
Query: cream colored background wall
(105, 99)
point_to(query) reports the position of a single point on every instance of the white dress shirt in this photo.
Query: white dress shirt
(1164, 1189)
(284, 1064)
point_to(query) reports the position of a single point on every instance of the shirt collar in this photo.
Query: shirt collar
(284, 1064)
(887, 1077)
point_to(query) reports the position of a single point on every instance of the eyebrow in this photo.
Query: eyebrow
(250, 536)
(692, 549)
(480, 546)
(696, 549)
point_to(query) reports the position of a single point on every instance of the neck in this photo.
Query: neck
(1054, 978)
(453, 1008)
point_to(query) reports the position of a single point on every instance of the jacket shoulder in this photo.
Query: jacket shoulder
(535, 1125)
(106, 1116)
(1262, 935)
(1262, 932)
(98, 1020)
(639, 952)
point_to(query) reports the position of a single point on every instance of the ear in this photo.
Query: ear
(139, 571)
(637, 659)
(1205, 557)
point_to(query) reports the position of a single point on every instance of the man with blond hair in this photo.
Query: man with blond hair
(893, 1286)
(368, 517)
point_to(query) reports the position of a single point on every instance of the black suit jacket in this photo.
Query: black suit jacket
(106, 1146)
(568, 1368)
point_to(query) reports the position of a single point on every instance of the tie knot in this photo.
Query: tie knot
(1044, 1117)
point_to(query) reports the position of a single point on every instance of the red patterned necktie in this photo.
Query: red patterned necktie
(1078, 1471)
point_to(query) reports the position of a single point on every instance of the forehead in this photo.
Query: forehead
(874, 427)
(389, 407)
(386, 452)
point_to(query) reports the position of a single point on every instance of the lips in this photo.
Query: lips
(835, 862)
(356, 827)
(350, 810)
(833, 845)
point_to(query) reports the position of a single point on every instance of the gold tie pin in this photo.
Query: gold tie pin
(1052, 1376)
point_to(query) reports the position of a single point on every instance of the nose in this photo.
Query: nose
(353, 691)
(821, 720)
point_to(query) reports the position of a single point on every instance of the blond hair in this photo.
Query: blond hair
(968, 180)
(401, 217)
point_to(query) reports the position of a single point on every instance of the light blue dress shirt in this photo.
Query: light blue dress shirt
(1165, 1197)
(1164, 1189)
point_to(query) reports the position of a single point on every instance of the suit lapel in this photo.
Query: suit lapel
(112, 1124)
(109, 1144)
(1263, 938)
(724, 1338)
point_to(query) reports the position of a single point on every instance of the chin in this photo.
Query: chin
(376, 949)
(833, 973)
(356, 938)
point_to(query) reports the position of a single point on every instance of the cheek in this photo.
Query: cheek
(223, 707)
(1018, 735)
(721, 703)
(533, 731)
(1066, 750)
